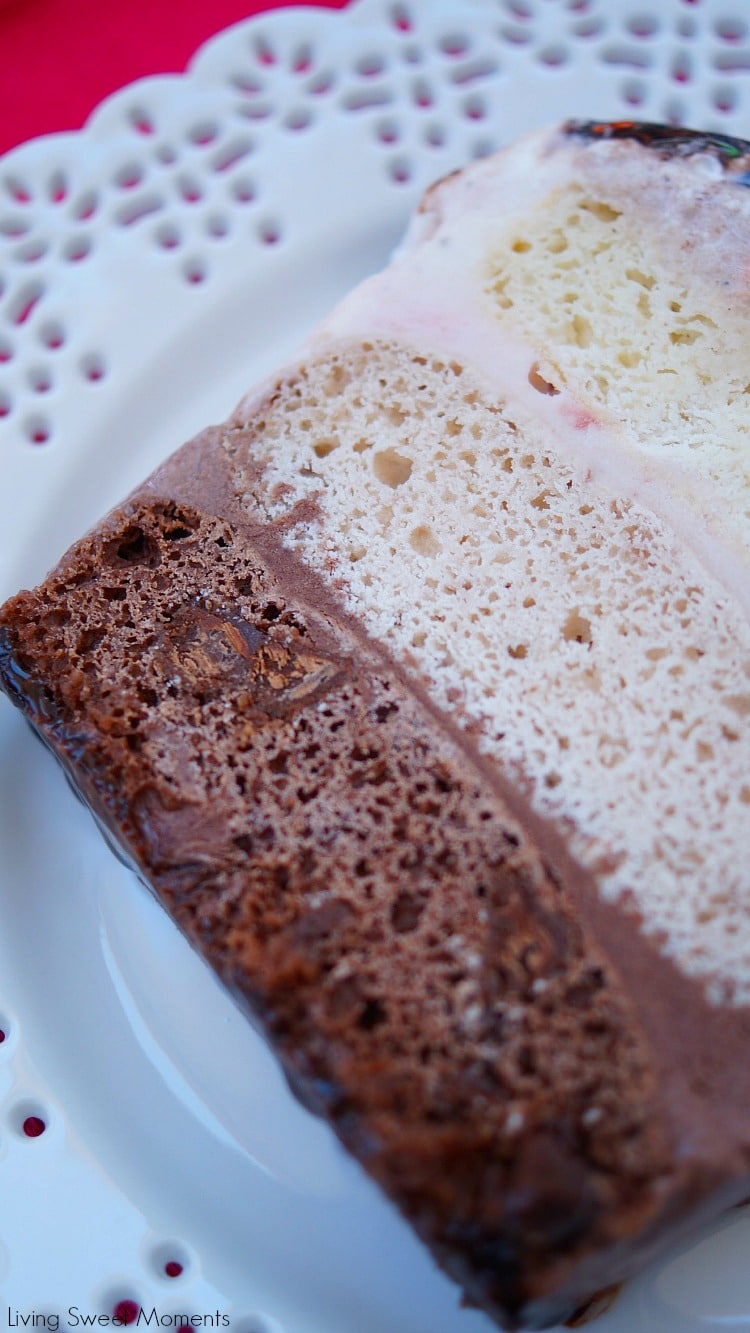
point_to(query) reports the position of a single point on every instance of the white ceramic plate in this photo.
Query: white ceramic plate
(151, 268)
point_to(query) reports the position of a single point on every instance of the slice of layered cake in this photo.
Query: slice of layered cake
(419, 690)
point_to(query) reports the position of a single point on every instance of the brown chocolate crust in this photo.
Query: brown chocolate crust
(502, 1052)
(669, 141)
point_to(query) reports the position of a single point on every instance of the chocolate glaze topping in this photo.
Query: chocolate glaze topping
(669, 141)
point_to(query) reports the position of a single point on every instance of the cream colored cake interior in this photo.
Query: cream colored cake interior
(609, 667)
(636, 333)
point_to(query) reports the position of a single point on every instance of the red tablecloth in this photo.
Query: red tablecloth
(60, 58)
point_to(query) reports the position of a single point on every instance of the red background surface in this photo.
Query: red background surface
(60, 58)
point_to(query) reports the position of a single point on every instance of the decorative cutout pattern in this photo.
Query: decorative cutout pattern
(430, 86)
(171, 186)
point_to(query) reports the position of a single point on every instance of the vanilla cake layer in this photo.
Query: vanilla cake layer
(528, 447)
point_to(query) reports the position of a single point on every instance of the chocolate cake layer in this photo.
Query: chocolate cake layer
(356, 877)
